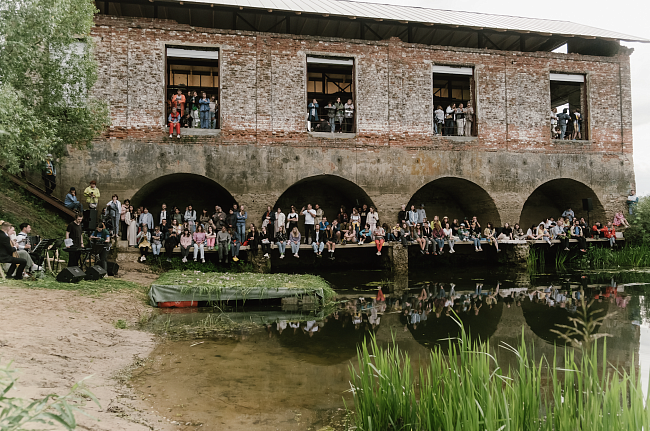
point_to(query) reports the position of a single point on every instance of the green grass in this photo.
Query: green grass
(465, 389)
(214, 283)
(161, 265)
(98, 287)
(18, 206)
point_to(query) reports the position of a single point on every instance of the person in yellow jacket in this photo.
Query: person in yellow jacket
(92, 194)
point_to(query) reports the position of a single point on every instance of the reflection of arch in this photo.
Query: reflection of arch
(435, 331)
(335, 341)
(553, 197)
(328, 191)
(456, 198)
(541, 319)
(182, 190)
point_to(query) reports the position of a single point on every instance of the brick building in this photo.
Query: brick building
(264, 62)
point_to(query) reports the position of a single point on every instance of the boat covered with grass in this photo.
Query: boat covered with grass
(190, 287)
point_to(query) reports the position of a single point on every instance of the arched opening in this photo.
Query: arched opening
(182, 190)
(456, 198)
(328, 191)
(553, 197)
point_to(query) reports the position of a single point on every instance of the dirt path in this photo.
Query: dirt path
(56, 338)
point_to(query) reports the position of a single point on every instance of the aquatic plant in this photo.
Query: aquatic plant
(464, 388)
(214, 283)
(52, 410)
(583, 331)
(536, 261)
(629, 256)
(560, 260)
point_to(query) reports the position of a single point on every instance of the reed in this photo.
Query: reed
(466, 389)
(629, 256)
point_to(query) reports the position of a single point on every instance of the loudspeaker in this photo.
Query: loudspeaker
(90, 220)
(113, 267)
(587, 205)
(71, 274)
(95, 273)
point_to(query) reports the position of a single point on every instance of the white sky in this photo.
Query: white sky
(631, 19)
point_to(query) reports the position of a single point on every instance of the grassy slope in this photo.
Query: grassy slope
(18, 206)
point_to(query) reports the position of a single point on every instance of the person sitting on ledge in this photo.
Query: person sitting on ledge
(578, 234)
(619, 220)
(609, 232)
(174, 121)
(72, 202)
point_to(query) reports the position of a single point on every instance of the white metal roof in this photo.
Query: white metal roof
(346, 8)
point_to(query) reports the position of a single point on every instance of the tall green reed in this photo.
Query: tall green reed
(466, 389)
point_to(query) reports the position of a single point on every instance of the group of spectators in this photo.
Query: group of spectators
(340, 117)
(454, 120)
(192, 111)
(226, 231)
(565, 125)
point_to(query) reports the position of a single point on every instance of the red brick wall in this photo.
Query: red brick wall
(263, 97)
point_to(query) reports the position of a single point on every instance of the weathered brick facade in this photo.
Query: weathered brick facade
(394, 153)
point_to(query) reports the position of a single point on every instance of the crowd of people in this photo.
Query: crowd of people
(16, 249)
(454, 120)
(565, 125)
(226, 231)
(192, 111)
(339, 116)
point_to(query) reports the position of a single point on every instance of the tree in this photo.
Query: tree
(639, 230)
(47, 73)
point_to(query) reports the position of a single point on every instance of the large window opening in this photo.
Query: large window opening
(190, 70)
(453, 101)
(568, 107)
(331, 106)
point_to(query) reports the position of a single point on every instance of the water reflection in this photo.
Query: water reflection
(290, 371)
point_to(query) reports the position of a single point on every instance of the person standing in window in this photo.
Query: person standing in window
(178, 102)
(193, 108)
(460, 120)
(213, 111)
(438, 120)
(340, 113)
(450, 118)
(204, 108)
(331, 114)
(553, 123)
(562, 121)
(349, 116)
(313, 114)
(469, 119)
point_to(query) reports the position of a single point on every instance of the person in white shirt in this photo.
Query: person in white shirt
(438, 120)
(310, 215)
(146, 218)
(632, 201)
(163, 214)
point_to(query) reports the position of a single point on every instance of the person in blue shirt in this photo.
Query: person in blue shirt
(365, 235)
(72, 202)
(204, 106)
(322, 226)
(101, 235)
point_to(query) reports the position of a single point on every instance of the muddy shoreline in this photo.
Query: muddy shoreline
(56, 338)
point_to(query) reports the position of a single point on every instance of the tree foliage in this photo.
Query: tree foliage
(47, 72)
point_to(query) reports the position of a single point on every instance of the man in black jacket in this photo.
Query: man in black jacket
(7, 250)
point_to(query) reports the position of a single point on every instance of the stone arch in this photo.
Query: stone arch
(553, 197)
(328, 191)
(181, 190)
(456, 198)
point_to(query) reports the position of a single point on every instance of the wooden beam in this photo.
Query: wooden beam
(31, 188)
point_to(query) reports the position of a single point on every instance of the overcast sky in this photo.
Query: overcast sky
(632, 20)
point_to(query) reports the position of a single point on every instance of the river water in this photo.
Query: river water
(287, 367)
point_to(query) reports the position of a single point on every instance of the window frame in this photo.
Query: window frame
(465, 69)
(354, 82)
(585, 104)
(167, 76)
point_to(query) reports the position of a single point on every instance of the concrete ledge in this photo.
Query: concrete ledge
(329, 135)
(456, 138)
(200, 132)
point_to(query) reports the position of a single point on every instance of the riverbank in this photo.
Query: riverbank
(56, 338)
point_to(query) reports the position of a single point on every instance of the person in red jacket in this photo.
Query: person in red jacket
(609, 232)
(178, 102)
(175, 123)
